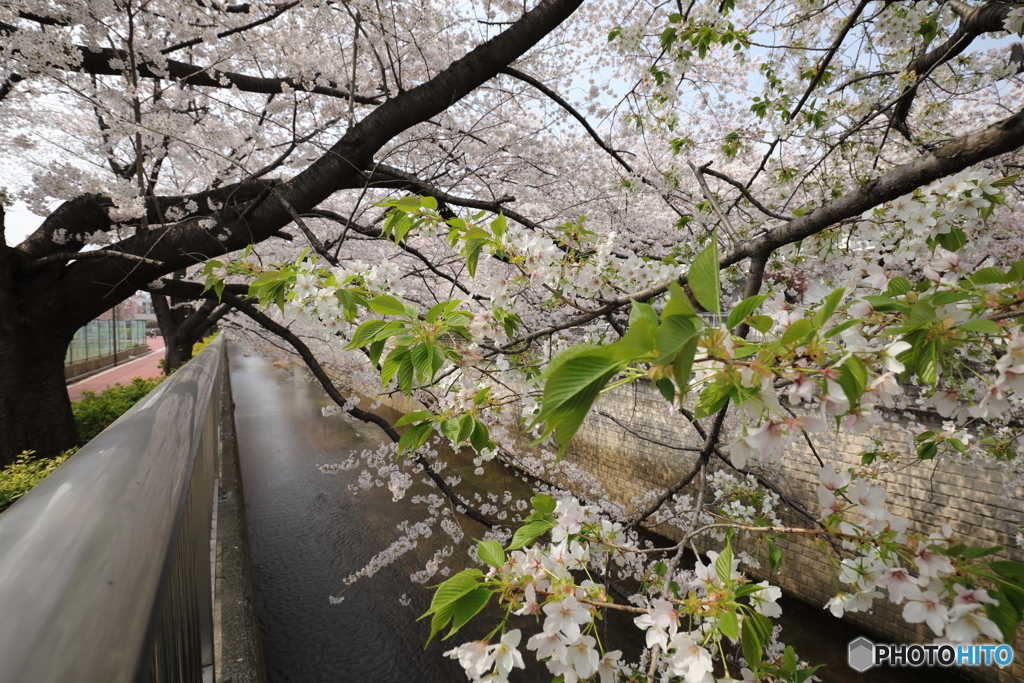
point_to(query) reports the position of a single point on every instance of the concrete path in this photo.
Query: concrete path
(143, 366)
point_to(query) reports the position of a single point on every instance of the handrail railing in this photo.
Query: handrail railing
(105, 565)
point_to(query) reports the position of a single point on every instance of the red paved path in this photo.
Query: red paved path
(146, 366)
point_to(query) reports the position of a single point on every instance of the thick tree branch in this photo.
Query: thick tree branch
(189, 241)
(999, 138)
(974, 22)
(82, 255)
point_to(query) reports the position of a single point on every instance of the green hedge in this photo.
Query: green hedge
(95, 412)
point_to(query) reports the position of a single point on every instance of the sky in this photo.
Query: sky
(19, 223)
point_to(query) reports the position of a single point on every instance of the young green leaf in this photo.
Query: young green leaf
(703, 277)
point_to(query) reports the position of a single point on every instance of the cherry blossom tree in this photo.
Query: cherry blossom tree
(780, 215)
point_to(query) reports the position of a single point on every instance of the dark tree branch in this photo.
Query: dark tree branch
(281, 9)
(82, 255)
(707, 170)
(974, 22)
(999, 138)
(97, 61)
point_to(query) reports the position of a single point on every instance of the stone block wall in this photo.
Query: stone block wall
(617, 444)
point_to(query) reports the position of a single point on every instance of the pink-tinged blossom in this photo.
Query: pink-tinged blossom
(834, 401)
(582, 657)
(868, 499)
(689, 659)
(506, 656)
(566, 616)
(832, 480)
(945, 402)
(802, 389)
(931, 563)
(476, 658)
(661, 622)
(972, 596)
(994, 404)
(570, 516)
(548, 645)
(965, 627)
(889, 354)
(764, 601)
(897, 580)
(925, 607)
(609, 666)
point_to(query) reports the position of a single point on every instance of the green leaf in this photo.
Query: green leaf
(451, 428)
(928, 450)
(828, 307)
(1014, 571)
(723, 565)
(774, 556)
(528, 533)
(393, 364)
(927, 365)
(667, 389)
(703, 277)
(386, 305)
(425, 361)
(853, 378)
(712, 398)
(943, 298)
(641, 339)
(678, 303)
(442, 606)
(480, 438)
(729, 624)
(414, 437)
(1004, 615)
(366, 332)
(467, 428)
(435, 311)
(490, 552)
(761, 323)
(980, 326)
(467, 607)
(743, 310)
(922, 312)
(972, 552)
(472, 253)
(752, 644)
(376, 348)
(1006, 181)
(543, 503)
(797, 332)
(674, 333)
(682, 364)
(409, 418)
(954, 240)
(640, 310)
(842, 327)
(897, 286)
(571, 389)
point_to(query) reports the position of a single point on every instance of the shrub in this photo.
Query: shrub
(24, 473)
(95, 412)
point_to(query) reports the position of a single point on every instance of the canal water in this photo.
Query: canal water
(308, 532)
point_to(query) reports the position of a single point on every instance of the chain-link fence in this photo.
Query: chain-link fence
(101, 337)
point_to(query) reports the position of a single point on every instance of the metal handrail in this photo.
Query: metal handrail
(105, 565)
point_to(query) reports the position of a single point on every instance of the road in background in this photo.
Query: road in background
(141, 366)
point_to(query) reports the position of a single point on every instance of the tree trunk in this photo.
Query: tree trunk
(35, 413)
(182, 326)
